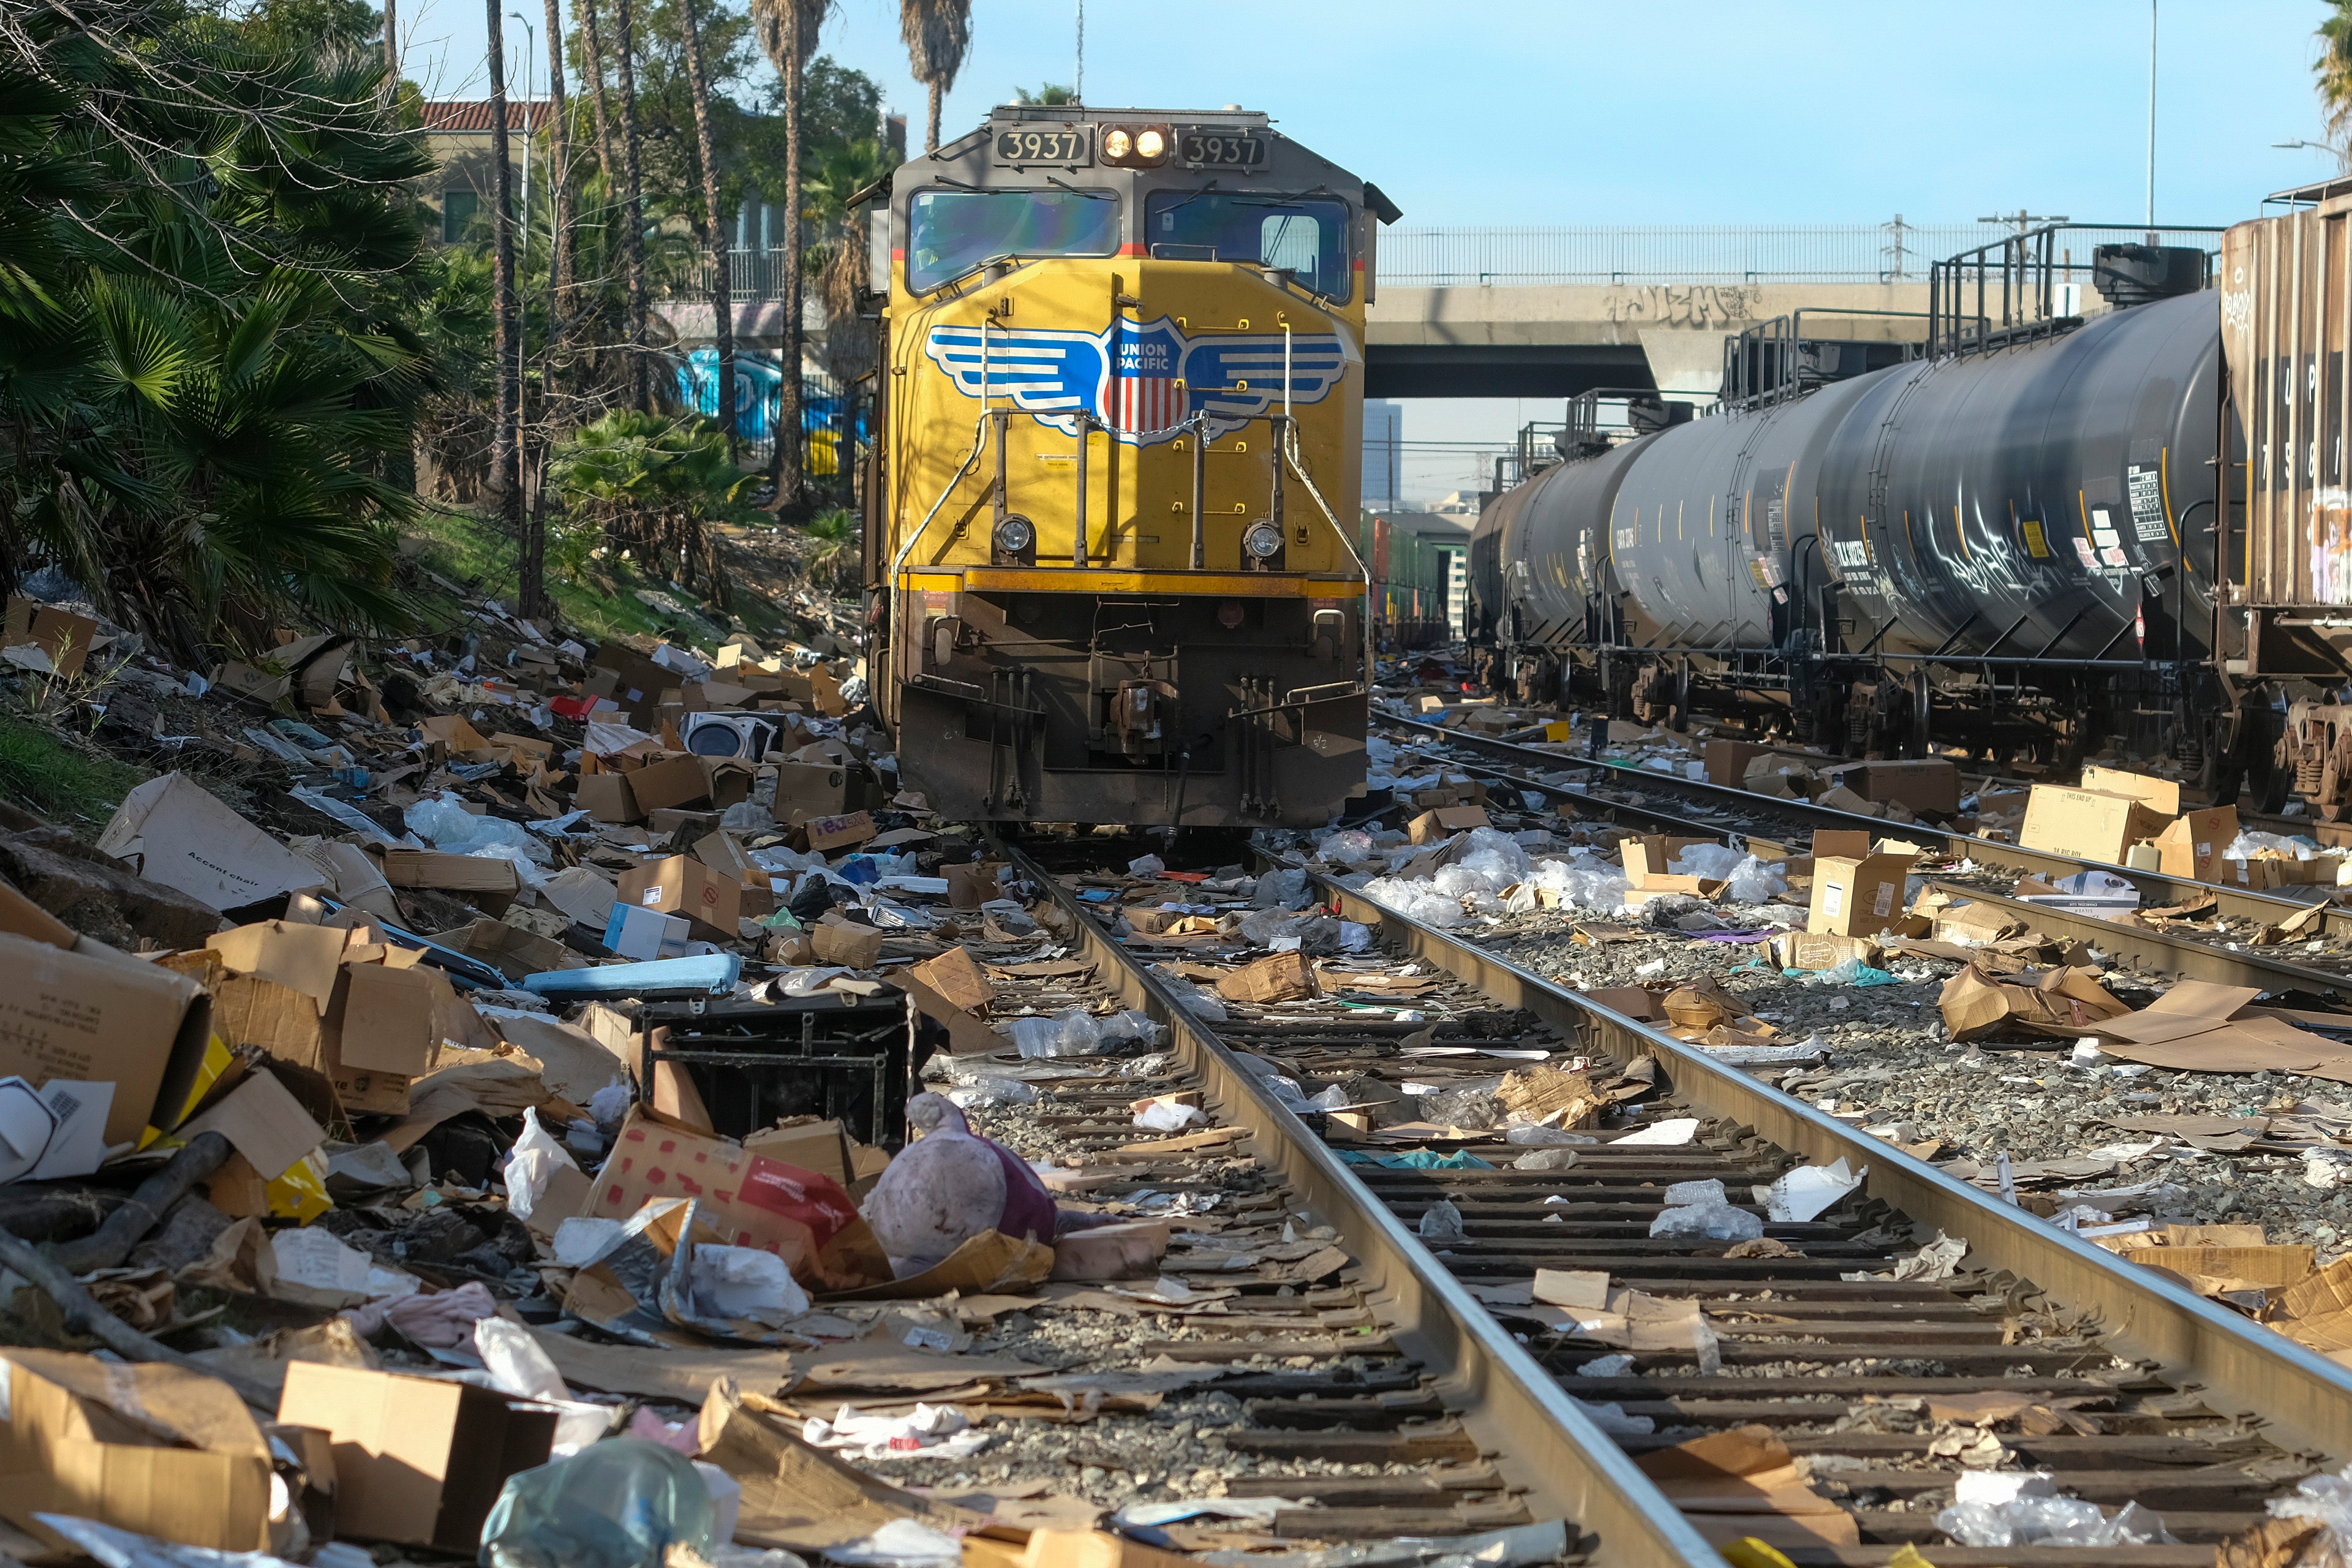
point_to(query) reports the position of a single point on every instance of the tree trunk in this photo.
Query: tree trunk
(793, 72)
(561, 263)
(633, 241)
(722, 294)
(592, 47)
(506, 481)
(391, 54)
(931, 133)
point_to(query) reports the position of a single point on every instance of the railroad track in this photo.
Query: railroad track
(2170, 1402)
(1726, 811)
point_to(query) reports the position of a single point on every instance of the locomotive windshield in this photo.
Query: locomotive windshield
(1307, 235)
(952, 232)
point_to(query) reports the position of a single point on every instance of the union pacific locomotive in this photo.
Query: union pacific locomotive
(1108, 536)
(2061, 515)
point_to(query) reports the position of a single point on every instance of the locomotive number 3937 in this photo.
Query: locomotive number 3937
(1062, 147)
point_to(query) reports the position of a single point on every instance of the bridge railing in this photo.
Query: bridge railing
(1687, 253)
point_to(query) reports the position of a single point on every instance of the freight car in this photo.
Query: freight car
(2058, 516)
(1411, 558)
(1119, 415)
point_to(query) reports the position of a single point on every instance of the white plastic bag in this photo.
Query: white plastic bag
(533, 1164)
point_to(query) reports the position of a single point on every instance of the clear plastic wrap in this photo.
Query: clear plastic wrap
(620, 1504)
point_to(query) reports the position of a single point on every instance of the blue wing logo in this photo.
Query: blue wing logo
(1121, 375)
(1236, 379)
(1054, 375)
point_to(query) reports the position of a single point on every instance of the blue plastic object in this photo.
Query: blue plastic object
(1418, 1160)
(706, 974)
(620, 1504)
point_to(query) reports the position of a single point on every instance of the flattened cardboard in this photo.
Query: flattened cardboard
(955, 976)
(1856, 898)
(1278, 977)
(1929, 784)
(95, 1015)
(263, 1122)
(172, 831)
(153, 1449)
(583, 895)
(63, 635)
(967, 1036)
(452, 873)
(417, 1461)
(2088, 824)
(2159, 796)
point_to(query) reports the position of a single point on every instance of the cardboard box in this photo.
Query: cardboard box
(1836, 843)
(1819, 951)
(471, 874)
(820, 1146)
(2192, 846)
(748, 1199)
(1647, 857)
(1432, 826)
(417, 1461)
(391, 1020)
(2162, 796)
(970, 884)
(511, 950)
(669, 782)
(646, 935)
(64, 637)
(608, 797)
(1929, 784)
(728, 781)
(91, 1015)
(241, 679)
(1857, 897)
(173, 831)
(1279, 977)
(854, 946)
(826, 834)
(1726, 761)
(805, 790)
(682, 884)
(2089, 824)
(153, 1449)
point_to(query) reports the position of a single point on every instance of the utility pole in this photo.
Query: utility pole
(2151, 122)
(522, 251)
(2024, 222)
(1078, 85)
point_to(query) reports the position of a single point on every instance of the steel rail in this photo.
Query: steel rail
(2237, 1367)
(2164, 953)
(1538, 1436)
(2243, 903)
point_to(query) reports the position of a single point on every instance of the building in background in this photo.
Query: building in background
(457, 132)
(1383, 452)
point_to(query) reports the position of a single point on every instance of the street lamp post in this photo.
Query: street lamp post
(522, 256)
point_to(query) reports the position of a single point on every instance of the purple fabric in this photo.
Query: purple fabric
(1732, 935)
(1028, 1206)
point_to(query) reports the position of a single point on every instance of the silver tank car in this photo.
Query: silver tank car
(2029, 500)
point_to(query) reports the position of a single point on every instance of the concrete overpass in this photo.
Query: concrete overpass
(1557, 339)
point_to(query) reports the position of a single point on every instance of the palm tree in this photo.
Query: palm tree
(2334, 67)
(788, 30)
(939, 37)
(592, 55)
(722, 294)
(633, 208)
(506, 479)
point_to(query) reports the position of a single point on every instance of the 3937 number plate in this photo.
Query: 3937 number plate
(1060, 147)
(1221, 148)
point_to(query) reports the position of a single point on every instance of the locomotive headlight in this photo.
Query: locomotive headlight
(1148, 143)
(1015, 534)
(1116, 143)
(1262, 539)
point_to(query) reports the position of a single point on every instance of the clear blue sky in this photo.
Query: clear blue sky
(1600, 111)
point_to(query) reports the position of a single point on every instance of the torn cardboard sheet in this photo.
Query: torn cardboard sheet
(798, 1497)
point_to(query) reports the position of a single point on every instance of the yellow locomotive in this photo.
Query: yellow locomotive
(1116, 470)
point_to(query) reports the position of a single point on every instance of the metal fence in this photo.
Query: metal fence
(1691, 253)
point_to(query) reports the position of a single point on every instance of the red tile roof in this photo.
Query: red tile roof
(460, 115)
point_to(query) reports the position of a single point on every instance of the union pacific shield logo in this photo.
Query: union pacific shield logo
(1140, 379)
